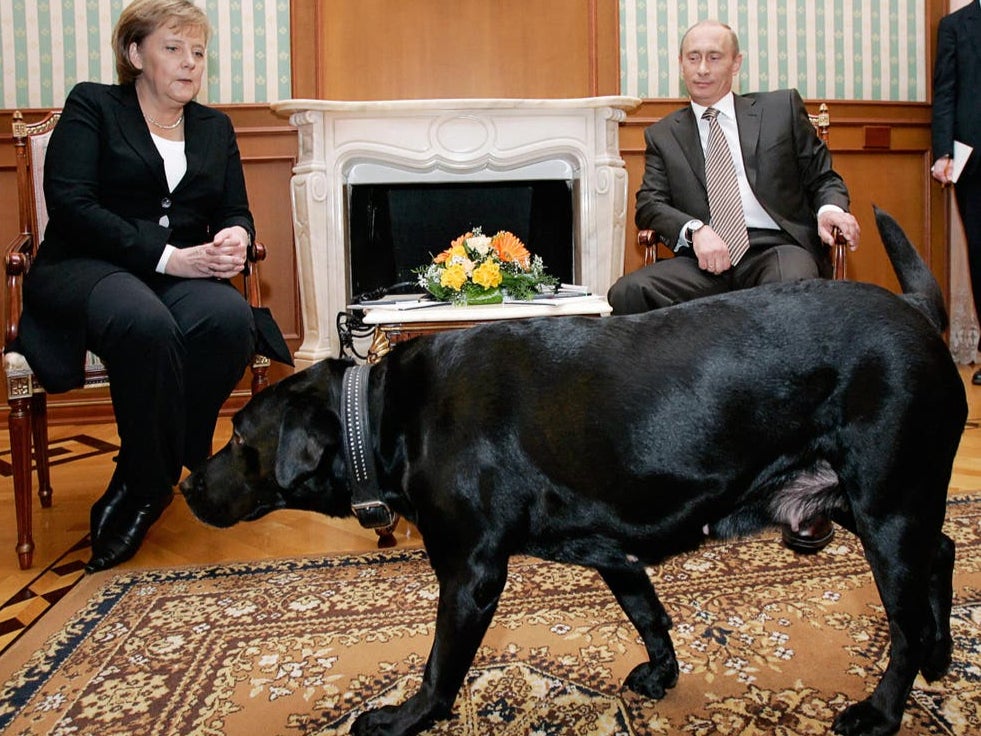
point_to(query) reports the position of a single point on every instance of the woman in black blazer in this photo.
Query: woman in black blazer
(149, 219)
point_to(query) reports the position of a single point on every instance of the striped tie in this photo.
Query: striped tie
(725, 205)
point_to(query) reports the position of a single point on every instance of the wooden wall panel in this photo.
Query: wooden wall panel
(268, 156)
(379, 49)
(903, 195)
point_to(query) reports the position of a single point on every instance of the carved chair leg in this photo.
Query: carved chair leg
(39, 428)
(19, 425)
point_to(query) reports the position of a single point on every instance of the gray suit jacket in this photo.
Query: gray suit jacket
(788, 167)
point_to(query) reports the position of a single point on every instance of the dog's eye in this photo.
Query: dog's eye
(238, 440)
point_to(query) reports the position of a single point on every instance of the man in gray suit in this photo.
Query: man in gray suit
(957, 116)
(791, 197)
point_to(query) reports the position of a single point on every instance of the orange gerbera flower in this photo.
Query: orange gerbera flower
(509, 248)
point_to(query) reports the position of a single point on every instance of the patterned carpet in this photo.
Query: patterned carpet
(769, 643)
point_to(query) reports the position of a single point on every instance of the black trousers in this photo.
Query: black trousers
(967, 191)
(174, 350)
(679, 279)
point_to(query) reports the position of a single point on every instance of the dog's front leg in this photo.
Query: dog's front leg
(468, 597)
(637, 597)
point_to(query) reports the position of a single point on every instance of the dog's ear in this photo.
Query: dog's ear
(307, 429)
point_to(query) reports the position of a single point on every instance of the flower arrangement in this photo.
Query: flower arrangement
(478, 269)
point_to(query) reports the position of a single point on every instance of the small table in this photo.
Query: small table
(394, 325)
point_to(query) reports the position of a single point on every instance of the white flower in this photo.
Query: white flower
(479, 244)
(467, 264)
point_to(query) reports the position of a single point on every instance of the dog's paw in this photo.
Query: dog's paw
(390, 720)
(651, 680)
(937, 660)
(376, 723)
(936, 665)
(864, 719)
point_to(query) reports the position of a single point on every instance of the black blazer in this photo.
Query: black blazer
(787, 165)
(957, 85)
(106, 190)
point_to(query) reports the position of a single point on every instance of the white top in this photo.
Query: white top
(175, 162)
(175, 166)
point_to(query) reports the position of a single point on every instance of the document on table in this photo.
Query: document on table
(409, 301)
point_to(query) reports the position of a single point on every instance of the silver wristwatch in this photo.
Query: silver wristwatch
(688, 232)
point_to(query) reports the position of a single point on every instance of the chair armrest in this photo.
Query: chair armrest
(838, 251)
(17, 261)
(647, 240)
(250, 274)
(256, 253)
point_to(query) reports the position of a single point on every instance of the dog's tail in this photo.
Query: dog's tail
(920, 288)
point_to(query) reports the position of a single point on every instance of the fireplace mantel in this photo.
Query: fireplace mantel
(448, 140)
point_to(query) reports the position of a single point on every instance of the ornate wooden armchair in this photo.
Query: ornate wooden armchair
(27, 419)
(648, 239)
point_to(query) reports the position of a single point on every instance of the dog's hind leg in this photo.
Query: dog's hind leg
(470, 587)
(637, 597)
(936, 636)
(912, 568)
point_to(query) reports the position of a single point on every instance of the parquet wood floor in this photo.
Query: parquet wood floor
(60, 532)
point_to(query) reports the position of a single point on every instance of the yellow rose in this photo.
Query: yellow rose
(487, 274)
(453, 277)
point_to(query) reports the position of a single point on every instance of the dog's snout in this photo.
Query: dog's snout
(190, 484)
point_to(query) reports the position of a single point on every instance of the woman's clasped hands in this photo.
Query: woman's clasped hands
(223, 258)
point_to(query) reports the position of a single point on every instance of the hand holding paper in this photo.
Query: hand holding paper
(962, 152)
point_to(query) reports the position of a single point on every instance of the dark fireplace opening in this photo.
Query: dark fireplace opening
(396, 228)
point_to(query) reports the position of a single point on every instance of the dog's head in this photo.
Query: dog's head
(285, 452)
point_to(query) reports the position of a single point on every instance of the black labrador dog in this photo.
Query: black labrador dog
(615, 442)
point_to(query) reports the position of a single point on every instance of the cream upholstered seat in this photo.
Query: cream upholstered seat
(647, 240)
(27, 418)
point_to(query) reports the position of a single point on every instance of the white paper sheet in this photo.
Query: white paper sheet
(962, 152)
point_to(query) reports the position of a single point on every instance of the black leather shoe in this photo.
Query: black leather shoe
(811, 537)
(105, 507)
(976, 378)
(125, 530)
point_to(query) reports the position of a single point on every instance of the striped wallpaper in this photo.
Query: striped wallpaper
(48, 45)
(877, 48)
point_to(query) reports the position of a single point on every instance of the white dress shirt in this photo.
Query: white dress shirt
(753, 211)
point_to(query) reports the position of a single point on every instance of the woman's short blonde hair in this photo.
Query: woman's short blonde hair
(141, 18)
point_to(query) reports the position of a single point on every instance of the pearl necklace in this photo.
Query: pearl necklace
(161, 125)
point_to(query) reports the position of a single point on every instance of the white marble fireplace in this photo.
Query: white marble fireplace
(463, 140)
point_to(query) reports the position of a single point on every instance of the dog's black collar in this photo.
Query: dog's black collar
(362, 476)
